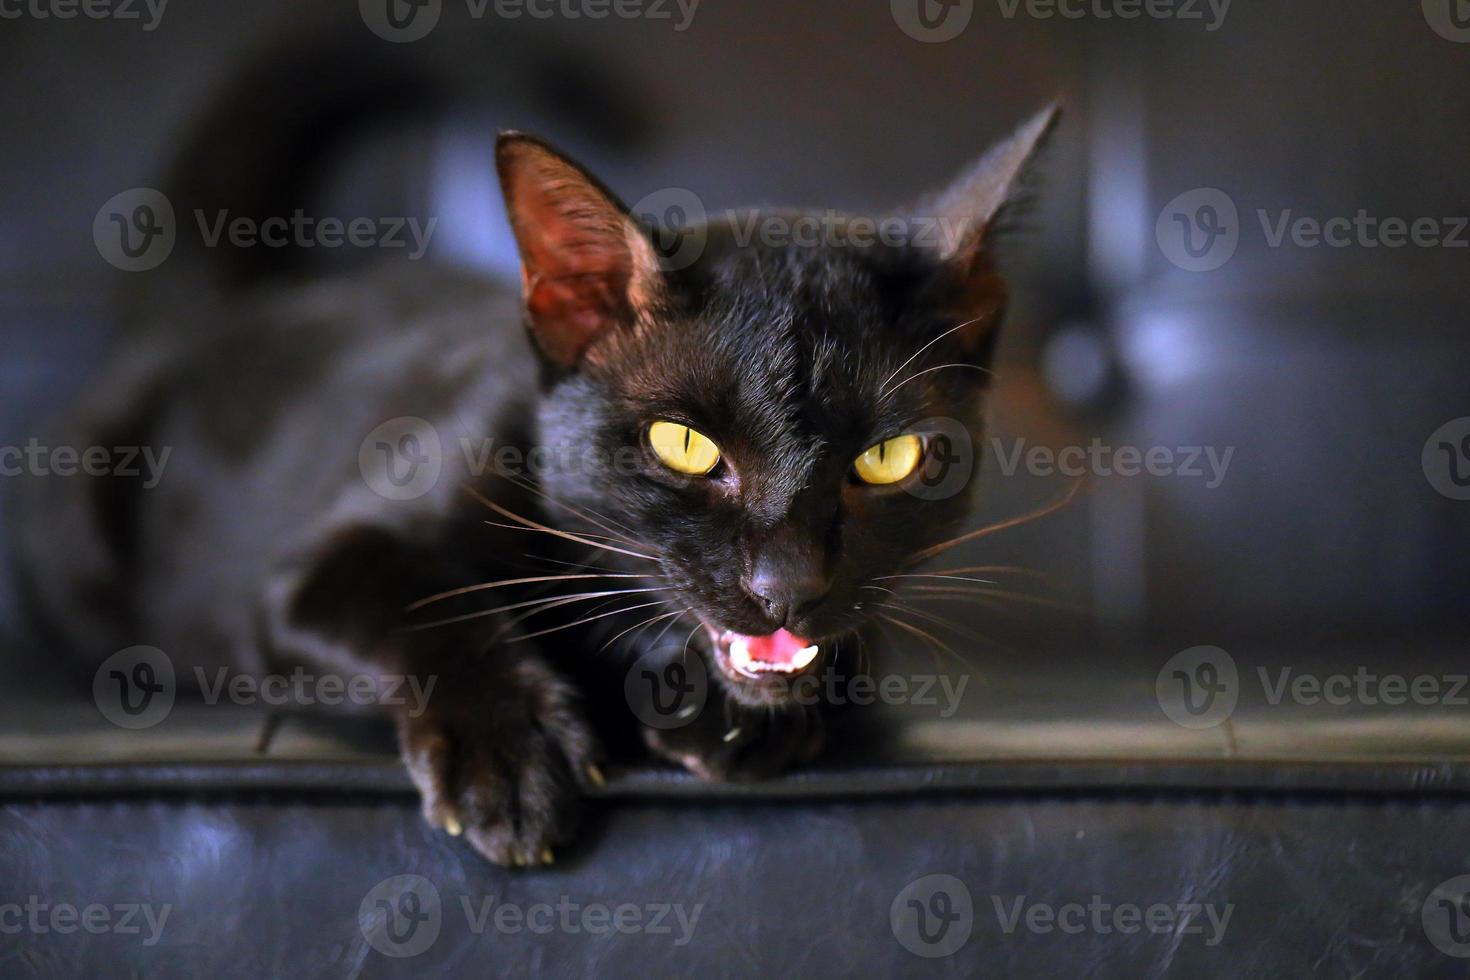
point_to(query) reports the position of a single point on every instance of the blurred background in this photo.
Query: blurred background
(1321, 370)
(1303, 393)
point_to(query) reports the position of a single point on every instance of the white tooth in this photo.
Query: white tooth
(740, 656)
(803, 657)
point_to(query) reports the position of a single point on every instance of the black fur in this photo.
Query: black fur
(264, 546)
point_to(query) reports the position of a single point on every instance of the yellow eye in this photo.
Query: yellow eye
(682, 449)
(890, 461)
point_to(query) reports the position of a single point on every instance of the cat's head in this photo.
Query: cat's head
(769, 410)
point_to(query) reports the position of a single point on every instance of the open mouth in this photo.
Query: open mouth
(778, 653)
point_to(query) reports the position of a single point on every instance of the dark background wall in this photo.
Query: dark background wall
(1326, 369)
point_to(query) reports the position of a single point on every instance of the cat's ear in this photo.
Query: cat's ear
(586, 265)
(962, 218)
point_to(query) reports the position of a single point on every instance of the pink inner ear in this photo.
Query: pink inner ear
(569, 314)
(576, 261)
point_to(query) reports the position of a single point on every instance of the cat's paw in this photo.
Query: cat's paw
(504, 762)
(743, 744)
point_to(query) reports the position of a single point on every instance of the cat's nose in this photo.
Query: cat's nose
(788, 589)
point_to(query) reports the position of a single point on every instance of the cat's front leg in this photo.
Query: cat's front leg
(503, 755)
(729, 742)
(498, 745)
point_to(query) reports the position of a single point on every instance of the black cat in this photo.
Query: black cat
(725, 449)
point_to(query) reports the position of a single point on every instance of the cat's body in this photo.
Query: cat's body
(273, 539)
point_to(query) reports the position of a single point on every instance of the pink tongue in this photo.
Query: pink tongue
(780, 647)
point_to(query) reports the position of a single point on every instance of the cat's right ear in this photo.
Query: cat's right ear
(586, 265)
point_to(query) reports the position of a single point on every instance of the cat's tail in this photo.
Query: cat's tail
(308, 123)
(257, 150)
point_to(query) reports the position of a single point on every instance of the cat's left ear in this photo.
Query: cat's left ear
(587, 268)
(962, 218)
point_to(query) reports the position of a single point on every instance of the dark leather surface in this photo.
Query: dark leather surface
(1324, 834)
(272, 885)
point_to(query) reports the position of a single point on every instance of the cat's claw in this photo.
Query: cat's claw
(504, 768)
(762, 745)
